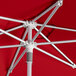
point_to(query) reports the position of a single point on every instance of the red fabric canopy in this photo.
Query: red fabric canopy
(43, 65)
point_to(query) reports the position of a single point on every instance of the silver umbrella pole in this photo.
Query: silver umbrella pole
(29, 48)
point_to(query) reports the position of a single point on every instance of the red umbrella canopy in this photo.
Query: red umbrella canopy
(43, 65)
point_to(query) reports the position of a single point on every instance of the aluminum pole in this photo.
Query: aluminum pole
(29, 69)
(29, 51)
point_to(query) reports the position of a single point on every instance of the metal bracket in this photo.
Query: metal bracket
(30, 23)
(74, 66)
(30, 45)
(60, 3)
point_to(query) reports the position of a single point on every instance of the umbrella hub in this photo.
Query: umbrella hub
(31, 24)
(30, 46)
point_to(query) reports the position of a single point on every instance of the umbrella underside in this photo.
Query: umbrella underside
(55, 41)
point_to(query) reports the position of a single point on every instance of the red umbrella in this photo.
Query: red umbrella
(46, 33)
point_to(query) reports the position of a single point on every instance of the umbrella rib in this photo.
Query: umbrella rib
(55, 27)
(11, 46)
(12, 29)
(54, 57)
(55, 47)
(18, 50)
(18, 59)
(12, 36)
(10, 19)
(45, 11)
(56, 42)
(47, 20)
